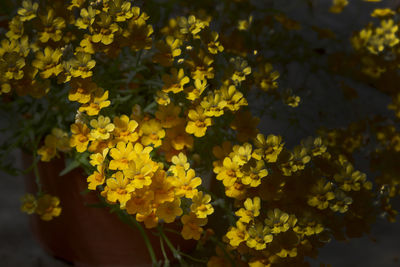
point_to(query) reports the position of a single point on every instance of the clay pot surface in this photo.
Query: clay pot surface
(89, 236)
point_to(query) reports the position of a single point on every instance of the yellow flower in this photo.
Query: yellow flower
(125, 129)
(16, 27)
(241, 154)
(49, 150)
(245, 125)
(121, 10)
(96, 178)
(234, 99)
(213, 104)
(201, 206)
(168, 50)
(238, 234)
(48, 62)
(150, 219)
(163, 187)
(48, 207)
(195, 93)
(104, 29)
(52, 27)
(382, 12)
(192, 226)
(140, 172)
(240, 69)
(267, 78)
(81, 65)
(86, 19)
(279, 221)
(253, 172)
(200, 65)
(119, 189)
(121, 155)
(211, 39)
(168, 115)
(102, 128)
(179, 163)
(81, 90)
(269, 148)
(28, 10)
(162, 98)
(178, 138)
(198, 122)
(80, 136)
(29, 204)
(168, 211)
(338, 6)
(98, 101)
(140, 202)
(250, 211)
(229, 172)
(151, 132)
(174, 82)
(186, 183)
(259, 236)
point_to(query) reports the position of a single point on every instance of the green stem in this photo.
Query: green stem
(169, 244)
(146, 240)
(35, 164)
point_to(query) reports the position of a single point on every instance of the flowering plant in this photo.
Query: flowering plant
(160, 106)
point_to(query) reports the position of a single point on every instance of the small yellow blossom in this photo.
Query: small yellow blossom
(28, 10)
(250, 211)
(29, 204)
(201, 205)
(175, 82)
(168, 211)
(186, 183)
(48, 207)
(80, 136)
(119, 189)
(151, 132)
(98, 101)
(192, 226)
(102, 128)
(96, 178)
(198, 122)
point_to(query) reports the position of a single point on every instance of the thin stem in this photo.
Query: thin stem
(35, 164)
(146, 240)
(169, 244)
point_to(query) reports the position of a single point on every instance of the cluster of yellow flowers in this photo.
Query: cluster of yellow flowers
(148, 102)
(46, 206)
(309, 183)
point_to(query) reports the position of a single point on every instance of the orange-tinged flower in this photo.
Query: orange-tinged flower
(151, 132)
(140, 202)
(168, 115)
(168, 211)
(192, 226)
(150, 220)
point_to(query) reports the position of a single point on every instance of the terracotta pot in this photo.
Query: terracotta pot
(89, 236)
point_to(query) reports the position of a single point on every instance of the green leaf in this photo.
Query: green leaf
(70, 166)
